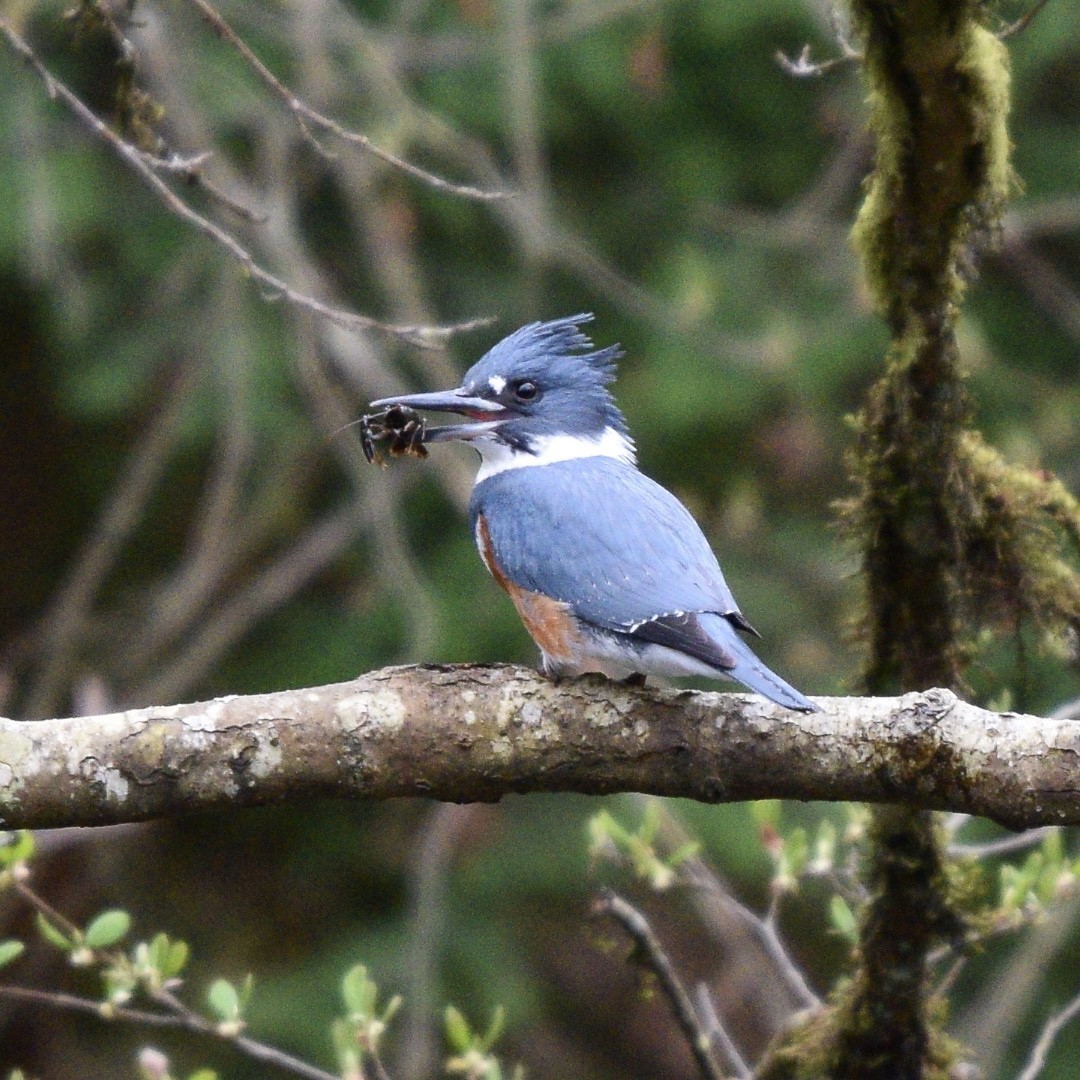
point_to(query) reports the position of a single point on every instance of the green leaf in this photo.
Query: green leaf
(495, 1029)
(1053, 847)
(15, 848)
(843, 918)
(175, 959)
(688, 851)
(52, 934)
(9, 950)
(766, 812)
(107, 929)
(203, 1074)
(224, 999)
(650, 822)
(796, 848)
(359, 992)
(458, 1031)
(824, 847)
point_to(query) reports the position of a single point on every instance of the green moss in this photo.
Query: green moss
(952, 538)
(939, 101)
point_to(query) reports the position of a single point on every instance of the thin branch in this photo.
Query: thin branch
(178, 1016)
(705, 882)
(190, 170)
(283, 576)
(1049, 287)
(268, 1055)
(420, 336)
(992, 1019)
(1022, 23)
(45, 909)
(657, 961)
(1051, 1029)
(715, 1030)
(442, 833)
(764, 930)
(305, 114)
(802, 67)
(101, 1009)
(1005, 845)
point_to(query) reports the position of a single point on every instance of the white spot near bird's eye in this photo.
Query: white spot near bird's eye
(497, 457)
(497, 384)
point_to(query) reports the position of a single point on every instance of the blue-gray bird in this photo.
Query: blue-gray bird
(607, 569)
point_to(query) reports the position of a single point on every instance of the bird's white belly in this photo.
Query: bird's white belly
(611, 656)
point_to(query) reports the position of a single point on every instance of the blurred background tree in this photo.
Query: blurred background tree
(182, 516)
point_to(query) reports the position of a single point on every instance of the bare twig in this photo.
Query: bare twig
(991, 1020)
(190, 170)
(102, 1010)
(305, 114)
(65, 620)
(714, 1028)
(658, 962)
(1005, 845)
(421, 336)
(1051, 1029)
(802, 67)
(1021, 24)
(705, 882)
(443, 831)
(323, 542)
(764, 929)
(45, 909)
(177, 1016)
(1050, 288)
(268, 1055)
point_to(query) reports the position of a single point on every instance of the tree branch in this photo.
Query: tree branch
(472, 733)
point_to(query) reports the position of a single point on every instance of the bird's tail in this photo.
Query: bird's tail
(749, 670)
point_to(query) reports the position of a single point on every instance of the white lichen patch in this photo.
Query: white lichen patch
(266, 759)
(510, 702)
(1063, 735)
(501, 747)
(16, 757)
(112, 781)
(116, 785)
(599, 714)
(531, 714)
(376, 708)
(519, 710)
(202, 721)
(468, 696)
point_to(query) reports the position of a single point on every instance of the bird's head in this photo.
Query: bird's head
(539, 395)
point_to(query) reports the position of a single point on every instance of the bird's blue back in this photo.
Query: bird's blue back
(601, 536)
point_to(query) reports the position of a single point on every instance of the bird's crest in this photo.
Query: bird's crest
(558, 339)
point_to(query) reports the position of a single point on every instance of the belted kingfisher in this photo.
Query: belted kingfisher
(607, 569)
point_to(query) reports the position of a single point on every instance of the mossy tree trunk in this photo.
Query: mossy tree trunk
(939, 98)
(948, 532)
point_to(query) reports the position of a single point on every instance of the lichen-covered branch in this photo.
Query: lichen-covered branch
(468, 733)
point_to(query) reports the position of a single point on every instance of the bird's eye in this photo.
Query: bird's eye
(526, 390)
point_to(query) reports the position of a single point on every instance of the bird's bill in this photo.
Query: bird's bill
(489, 413)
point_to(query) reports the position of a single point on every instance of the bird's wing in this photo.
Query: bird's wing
(597, 534)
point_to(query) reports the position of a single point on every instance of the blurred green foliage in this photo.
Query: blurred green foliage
(694, 196)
